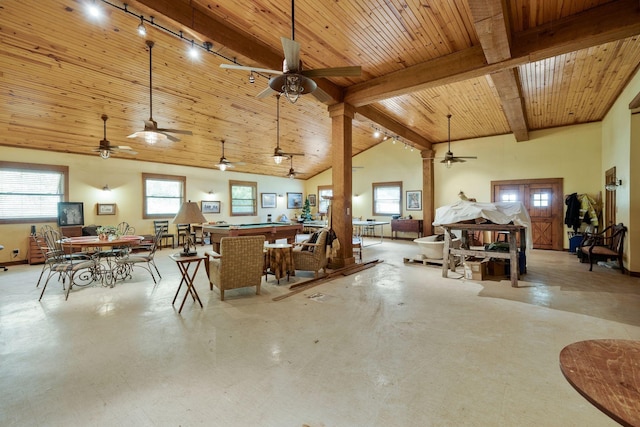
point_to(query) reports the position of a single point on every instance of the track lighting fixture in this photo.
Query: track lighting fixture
(376, 133)
(94, 10)
(142, 30)
(193, 52)
(252, 79)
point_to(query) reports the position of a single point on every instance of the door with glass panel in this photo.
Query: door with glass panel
(543, 200)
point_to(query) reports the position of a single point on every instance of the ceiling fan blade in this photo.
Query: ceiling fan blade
(124, 149)
(182, 132)
(291, 50)
(334, 72)
(291, 154)
(321, 95)
(245, 68)
(466, 157)
(266, 92)
(170, 137)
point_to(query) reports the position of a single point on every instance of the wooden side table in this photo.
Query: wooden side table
(184, 263)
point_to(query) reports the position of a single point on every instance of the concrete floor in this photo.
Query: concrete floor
(394, 345)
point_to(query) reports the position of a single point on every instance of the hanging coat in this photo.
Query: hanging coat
(572, 218)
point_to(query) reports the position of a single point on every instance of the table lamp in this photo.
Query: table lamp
(189, 213)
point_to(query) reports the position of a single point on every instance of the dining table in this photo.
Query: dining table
(107, 271)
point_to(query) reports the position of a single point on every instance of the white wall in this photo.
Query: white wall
(89, 174)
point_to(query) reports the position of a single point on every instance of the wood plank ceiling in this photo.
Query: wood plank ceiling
(498, 66)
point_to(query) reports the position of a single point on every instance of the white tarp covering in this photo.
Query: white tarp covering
(498, 213)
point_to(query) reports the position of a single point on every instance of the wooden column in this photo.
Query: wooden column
(341, 211)
(428, 208)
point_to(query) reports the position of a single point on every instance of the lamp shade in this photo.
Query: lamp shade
(189, 213)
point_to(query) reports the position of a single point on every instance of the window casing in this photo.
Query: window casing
(30, 192)
(323, 204)
(387, 198)
(244, 198)
(162, 195)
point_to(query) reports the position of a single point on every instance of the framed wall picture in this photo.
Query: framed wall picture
(70, 213)
(106, 208)
(294, 200)
(312, 199)
(208, 207)
(414, 200)
(269, 200)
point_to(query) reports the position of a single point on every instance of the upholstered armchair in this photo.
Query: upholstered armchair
(312, 255)
(239, 264)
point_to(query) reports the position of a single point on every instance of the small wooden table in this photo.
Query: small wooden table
(607, 373)
(279, 260)
(184, 262)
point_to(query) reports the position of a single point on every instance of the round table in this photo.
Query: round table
(607, 373)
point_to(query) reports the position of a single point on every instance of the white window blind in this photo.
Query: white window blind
(29, 194)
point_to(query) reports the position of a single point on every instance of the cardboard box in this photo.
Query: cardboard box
(497, 267)
(475, 269)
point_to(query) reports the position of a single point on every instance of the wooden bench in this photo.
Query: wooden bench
(604, 246)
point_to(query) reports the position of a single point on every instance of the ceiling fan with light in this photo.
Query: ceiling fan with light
(278, 154)
(293, 80)
(292, 173)
(225, 164)
(152, 133)
(449, 158)
(105, 149)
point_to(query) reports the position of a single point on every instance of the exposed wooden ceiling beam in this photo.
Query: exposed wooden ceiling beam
(507, 83)
(394, 126)
(493, 32)
(612, 21)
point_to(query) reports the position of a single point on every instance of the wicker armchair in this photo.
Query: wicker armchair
(308, 256)
(239, 264)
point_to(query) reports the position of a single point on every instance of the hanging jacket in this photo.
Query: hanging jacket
(572, 218)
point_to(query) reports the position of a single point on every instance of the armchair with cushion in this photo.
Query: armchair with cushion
(239, 264)
(603, 246)
(311, 255)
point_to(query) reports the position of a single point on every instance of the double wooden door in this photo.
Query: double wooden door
(544, 202)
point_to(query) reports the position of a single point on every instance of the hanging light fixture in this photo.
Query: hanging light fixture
(277, 154)
(142, 30)
(252, 79)
(105, 154)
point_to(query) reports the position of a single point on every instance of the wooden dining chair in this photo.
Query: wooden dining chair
(163, 226)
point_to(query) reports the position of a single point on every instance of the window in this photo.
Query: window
(244, 198)
(509, 197)
(163, 195)
(387, 198)
(323, 203)
(31, 192)
(541, 200)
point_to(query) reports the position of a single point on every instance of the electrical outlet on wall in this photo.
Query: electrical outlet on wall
(16, 252)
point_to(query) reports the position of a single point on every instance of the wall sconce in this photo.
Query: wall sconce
(280, 196)
(210, 192)
(614, 185)
(106, 188)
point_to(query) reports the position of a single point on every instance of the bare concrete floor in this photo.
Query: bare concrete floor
(395, 345)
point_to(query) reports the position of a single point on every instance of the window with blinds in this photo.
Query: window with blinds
(31, 192)
(163, 195)
(387, 198)
(244, 198)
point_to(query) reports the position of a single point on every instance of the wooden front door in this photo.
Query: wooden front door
(544, 202)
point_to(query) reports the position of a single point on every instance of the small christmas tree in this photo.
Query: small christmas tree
(306, 210)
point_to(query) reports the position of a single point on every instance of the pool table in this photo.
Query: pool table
(271, 231)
